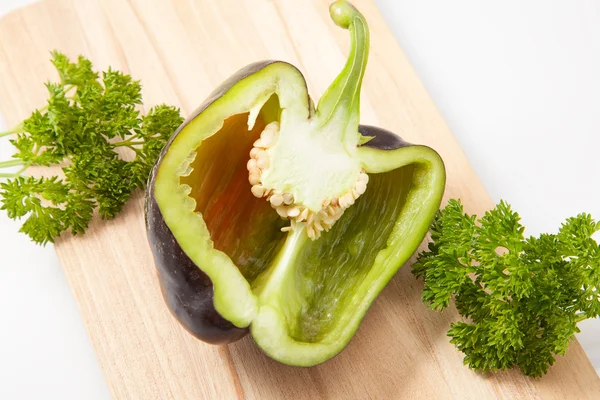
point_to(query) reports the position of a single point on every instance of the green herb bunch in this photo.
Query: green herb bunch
(521, 297)
(86, 119)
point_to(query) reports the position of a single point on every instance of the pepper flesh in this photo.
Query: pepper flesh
(226, 267)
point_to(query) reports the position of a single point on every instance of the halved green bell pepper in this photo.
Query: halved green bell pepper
(266, 214)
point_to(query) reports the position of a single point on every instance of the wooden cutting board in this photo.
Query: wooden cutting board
(182, 49)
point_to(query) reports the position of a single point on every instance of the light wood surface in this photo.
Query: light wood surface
(182, 49)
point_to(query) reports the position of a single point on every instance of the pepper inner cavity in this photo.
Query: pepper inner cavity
(284, 202)
(329, 272)
(242, 226)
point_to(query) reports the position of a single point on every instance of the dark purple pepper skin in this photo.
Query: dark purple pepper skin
(382, 138)
(188, 292)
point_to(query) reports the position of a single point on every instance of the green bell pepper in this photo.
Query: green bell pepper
(270, 216)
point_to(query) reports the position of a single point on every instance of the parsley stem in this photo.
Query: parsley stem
(129, 143)
(19, 127)
(580, 317)
(19, 172)
(16, 174)
(11, 163)
(15, 129)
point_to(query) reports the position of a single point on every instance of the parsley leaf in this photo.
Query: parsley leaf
(521, 298)
(87, 118)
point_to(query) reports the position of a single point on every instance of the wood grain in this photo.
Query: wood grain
(181, 49)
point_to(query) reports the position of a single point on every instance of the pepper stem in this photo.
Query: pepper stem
(341, 101)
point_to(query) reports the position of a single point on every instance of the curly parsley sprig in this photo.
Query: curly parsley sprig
(87, 117)
(522, 297)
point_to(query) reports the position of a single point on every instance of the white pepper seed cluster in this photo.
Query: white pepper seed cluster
(283, 203)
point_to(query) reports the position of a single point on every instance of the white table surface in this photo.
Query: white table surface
(518, 83)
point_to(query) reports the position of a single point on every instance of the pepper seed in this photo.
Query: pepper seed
(293, 212)
(288, 198)
(276, 200)
(282, 211)
(258, 191)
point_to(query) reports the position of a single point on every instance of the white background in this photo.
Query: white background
(517, 81)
